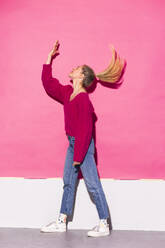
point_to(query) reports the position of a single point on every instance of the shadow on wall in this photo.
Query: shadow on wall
(90, 90)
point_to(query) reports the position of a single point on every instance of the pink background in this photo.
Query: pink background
(130, 131)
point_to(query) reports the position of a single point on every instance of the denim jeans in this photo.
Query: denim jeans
(90, 175)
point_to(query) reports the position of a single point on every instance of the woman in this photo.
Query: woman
(78, 112)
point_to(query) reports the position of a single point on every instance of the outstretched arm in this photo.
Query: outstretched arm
(51, 85)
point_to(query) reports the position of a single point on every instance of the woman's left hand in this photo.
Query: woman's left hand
(75, 163)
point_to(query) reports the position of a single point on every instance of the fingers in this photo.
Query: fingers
(55, 47)
(56, 44)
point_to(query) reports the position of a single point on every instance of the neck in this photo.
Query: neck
(77, 87)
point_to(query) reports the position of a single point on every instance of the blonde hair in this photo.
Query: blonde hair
(114, 71)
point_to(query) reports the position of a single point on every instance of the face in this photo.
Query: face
(76, 72)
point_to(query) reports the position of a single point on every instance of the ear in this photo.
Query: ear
(82, 75)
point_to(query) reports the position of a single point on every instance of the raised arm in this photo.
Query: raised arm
(51, 85)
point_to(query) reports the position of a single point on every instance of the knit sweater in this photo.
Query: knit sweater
(78, 112)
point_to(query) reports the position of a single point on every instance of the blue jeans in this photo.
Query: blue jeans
(90, 175)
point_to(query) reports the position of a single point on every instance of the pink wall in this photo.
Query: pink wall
(130, 131)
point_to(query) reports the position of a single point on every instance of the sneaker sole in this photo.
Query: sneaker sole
(51, 231)
(98, 234)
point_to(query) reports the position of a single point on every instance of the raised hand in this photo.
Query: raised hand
(53, 52)
(55, 49)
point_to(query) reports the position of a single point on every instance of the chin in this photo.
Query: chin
(70, 75)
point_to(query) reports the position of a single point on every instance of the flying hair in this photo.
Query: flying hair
(114, 71)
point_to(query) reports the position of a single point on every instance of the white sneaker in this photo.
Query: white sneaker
(99, 230)
(54, 226)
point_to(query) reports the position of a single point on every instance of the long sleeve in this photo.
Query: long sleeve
(84, 128)
(51, 85)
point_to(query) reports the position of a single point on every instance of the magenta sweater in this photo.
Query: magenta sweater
(78, 113)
